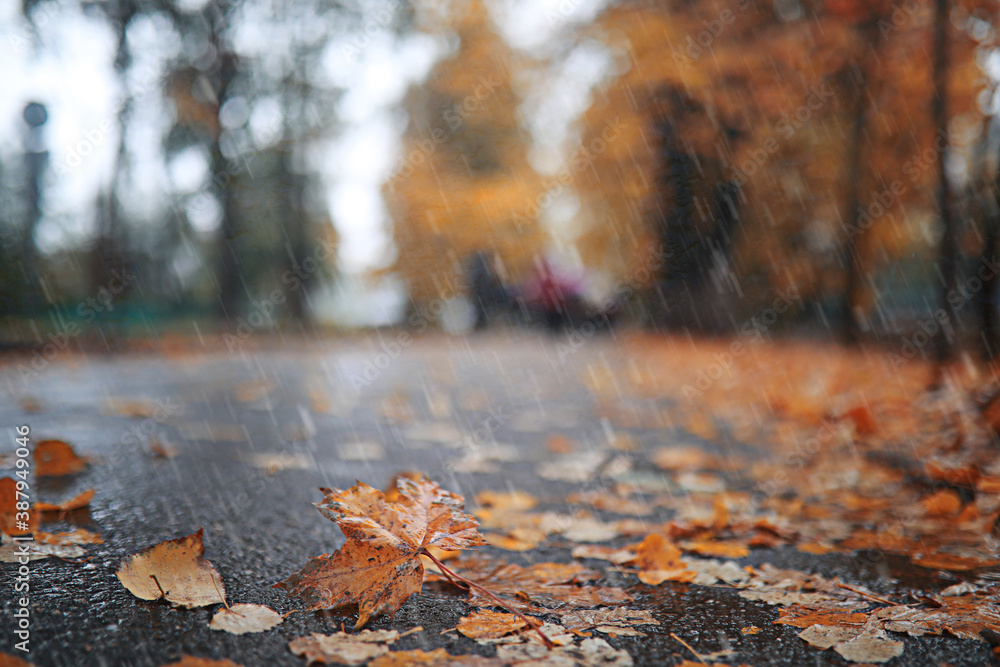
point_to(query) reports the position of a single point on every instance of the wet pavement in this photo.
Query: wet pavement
(259, 429)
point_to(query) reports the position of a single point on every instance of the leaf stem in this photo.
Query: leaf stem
(532, 623)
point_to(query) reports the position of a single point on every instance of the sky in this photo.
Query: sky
(70, 70)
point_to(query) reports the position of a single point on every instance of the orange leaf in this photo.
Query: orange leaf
(55, 458)
(379, 567)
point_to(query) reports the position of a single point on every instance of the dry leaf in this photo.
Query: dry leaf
(8, 660)
(965, 617)
(55, 458)
(874, 647)
(507, 501)
(611, 620)
(13, 552)
(805, 617)
(342, 648)
(658, 560)
(379, 566)
(273, 462)
(77, 536)
(176, 570)
(163, 450)
(192, 661)
(76, 503)
(539, 588)
(436, 658)
(945, 502)
(487, 624)
(243, 618)
(9, 520)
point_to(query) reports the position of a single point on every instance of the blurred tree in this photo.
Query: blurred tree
(464, 183)
(809, 108)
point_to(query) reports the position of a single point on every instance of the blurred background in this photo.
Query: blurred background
(311, 165)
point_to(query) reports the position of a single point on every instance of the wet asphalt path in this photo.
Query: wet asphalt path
(258, 431)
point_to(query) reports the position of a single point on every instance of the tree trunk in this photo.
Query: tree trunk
(948, 258)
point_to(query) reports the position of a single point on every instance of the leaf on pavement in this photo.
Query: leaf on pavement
(659, 560)
(14, 552)
(342, 648)
(75, 503)
(379, 566)
(965, 617)
(243, 618)
(870, 647)
(805, 617)
(176, 570)
(8, 509)
(486, 624)
(8, 660)
(554, 588)
(76, 536)
(192, 661)
(436, 658)
(592, 652)
(56, 458)
(612, 620)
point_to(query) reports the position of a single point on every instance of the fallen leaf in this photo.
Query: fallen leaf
(379, 567)
(163, 450)
(487, 624)
(718, 549)
(559, 444)
(965, 617)
(952, 562)
(592, 652)
(828, 636)
(273, 462)
(684, 458)
(342, 648)
(192, 661)
(539, 588)
(77, 536)
(874, 647)
(9, 520)
(507, 501)
(658, 560)
(13, 552)
(611, 620)
(945, 502)
(76, 503)
(55, 458)
(8, 660)
(616, 555)
(579, 467)
(174, 569)
(243, 618)
(805, 617)
(749, 630)
(436, 658)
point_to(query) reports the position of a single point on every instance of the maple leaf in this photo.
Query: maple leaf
(379, 566)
